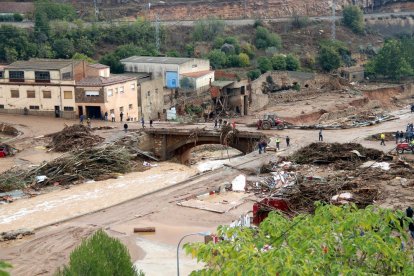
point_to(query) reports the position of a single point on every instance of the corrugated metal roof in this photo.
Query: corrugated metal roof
(41, 64)
(196, 75)
(101, 81)
(221, 84)
(162, 60)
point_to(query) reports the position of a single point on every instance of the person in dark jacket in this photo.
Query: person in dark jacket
(409, 212)
(126, 127)
(287, 141)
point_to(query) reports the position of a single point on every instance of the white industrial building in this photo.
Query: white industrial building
(172, 69)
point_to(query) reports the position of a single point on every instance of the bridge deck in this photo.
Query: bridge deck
(199, 131)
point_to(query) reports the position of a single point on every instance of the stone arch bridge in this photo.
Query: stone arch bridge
(169, 142)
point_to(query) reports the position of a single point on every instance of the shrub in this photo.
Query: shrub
(207, 30)
(217, 59)
(18, 17)
(300, 21)
(279, 62)
(264, 64)
(329, 59)
(100, 255)
(254, 74)
(233, 61)
(353, 18)
(265, 39)
(292, 63)
(296, 86)
(248, 49)
(244, 60)
(3, 267)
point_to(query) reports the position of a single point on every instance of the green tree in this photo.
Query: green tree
(217, 58)
(335, 240)
(10, 54)
(207, 29)
(390, 62)
(172, 53)
(113, 61)
(244, 60)
(292, 63)
(328, 59)
(264, 64)
(45, 51)
(279, 62)
(353, 18)
(55, 10)
(63, 48)
(233, 61)
(265, 39)
(186, 83)
(18, 17)
(248, 49)
(100, 255)
(41, 28)
(79, 56)
(85, 46)
(254, 74)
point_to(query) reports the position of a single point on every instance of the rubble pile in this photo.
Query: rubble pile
(74, 137)
(326, 153)
(88, 164)
(8, 130)
(130, 141)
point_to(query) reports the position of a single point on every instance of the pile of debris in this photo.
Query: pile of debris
(348, 154)
(8, 130)
(88, 164)
(74, 137)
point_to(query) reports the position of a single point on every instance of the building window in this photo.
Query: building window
(67, 76)
(132, 86)
(47, 94)
(92, 93)
(121, 109)
(121, 89)
(110, 92)
(1, 74)
(68, 108)
(42, 76)
(34, 107)
(15, 93)
(67, 95)
(31, 94)
(16, 76)
(1, 106)
(130, 106)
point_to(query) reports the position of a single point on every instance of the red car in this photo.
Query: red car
(401, 147)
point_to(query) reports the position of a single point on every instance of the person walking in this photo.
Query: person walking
(112, 117)
(397, 136)
(106, 116)
(260, 147)
(264, 146)
(287, 141)
(151, 121)
(142, 122)
(81, 118)
(382, 137)
(126, 127)
(121, 115)
(277, 143)
(401, 136)
(320, 136)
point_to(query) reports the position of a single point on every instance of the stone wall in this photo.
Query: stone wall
(236, 9)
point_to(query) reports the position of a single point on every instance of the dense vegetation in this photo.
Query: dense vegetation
(394, 61)
(100, 255)
(353, 18)
(3, 268)
(333, 241)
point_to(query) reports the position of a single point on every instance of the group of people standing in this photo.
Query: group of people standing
(408, 136)
(262, 145)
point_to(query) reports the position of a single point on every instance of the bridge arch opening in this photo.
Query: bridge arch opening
(210, 152)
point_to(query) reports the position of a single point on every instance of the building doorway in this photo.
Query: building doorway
(57, 111)
(93, 112)
(80, 110)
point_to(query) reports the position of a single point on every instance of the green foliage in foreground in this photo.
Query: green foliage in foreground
(3, 267)
(334, 241)
(100, 255)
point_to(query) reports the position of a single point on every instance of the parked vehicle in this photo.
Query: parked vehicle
(270, 121)
(401, 147)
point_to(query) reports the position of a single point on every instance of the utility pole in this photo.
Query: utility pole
(333, 19)
(157, 33)
(96, 9)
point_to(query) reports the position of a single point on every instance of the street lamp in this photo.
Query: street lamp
(178, 246)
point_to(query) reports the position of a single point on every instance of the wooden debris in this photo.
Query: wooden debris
(144, 229)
